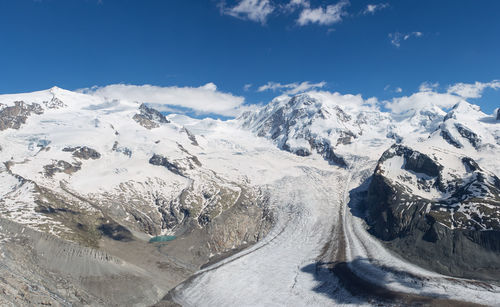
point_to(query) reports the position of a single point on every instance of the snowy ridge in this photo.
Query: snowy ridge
(343, 126)
(307, 123)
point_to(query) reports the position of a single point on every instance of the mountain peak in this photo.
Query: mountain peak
(464, 110)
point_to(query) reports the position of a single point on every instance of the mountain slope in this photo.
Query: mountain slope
(101, 173)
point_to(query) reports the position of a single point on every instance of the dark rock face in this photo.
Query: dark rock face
(83, 152)
(324, 148)
(472, 137)
(162, 161)
(498, 114)
(458, 234)
(14, 116)
(150, 118)
(415, 161)
(448, 138)
(191, 136)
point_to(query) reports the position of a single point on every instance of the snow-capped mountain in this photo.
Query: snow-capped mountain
(305, 124)
(415, 125)
(86, 182)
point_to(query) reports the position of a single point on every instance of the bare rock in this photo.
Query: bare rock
(150, 118)
(14, 116)
(162, 161)
(83, 152)
(61, 166)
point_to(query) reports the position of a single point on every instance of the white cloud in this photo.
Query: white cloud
(322, 15)
(294, 4)
(395, 90)
(348, 101)
(291, 88)
(205, 99)
(255, 10)
(421, 100)
(472, 90)
(261, 10)
(247, 86)
(397, 37)
(428, 87)
(427, 96)
(372, 8)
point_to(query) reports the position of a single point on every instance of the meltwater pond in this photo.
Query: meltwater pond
(161, 239)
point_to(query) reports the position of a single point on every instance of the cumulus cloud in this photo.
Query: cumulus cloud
(254, 10)
(428, 96)
(472, 90)
(372, 8)
(347, 101)
(397, 37)
(422, 100)
(328, 15)
(205, 99)
(291, 88)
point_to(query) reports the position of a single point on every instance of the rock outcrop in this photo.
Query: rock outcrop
(14, 116)
(150, 118)
(160, 160)
(61, 166)
(83, 152)
(437, 217)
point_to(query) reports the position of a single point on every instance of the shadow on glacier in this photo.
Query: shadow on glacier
(348, 282)
(339, 282)
(356, 198)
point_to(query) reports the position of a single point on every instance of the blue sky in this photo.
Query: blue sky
(384, 49)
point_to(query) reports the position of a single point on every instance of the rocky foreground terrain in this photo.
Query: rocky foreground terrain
(311, 199)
